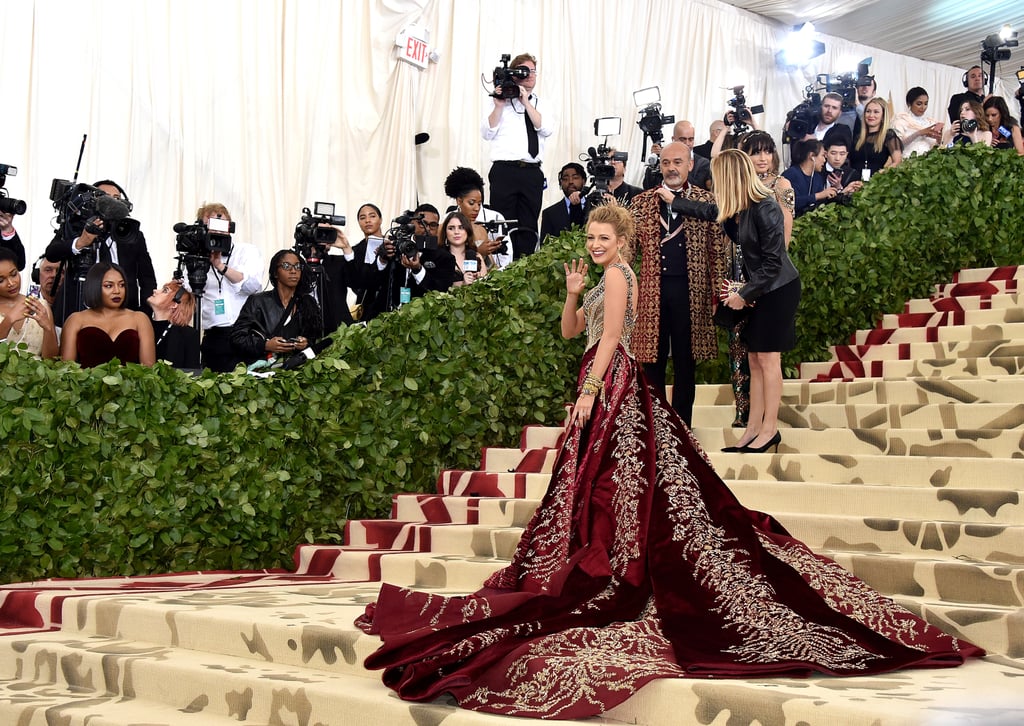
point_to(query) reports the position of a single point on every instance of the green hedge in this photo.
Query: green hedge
(128, 470)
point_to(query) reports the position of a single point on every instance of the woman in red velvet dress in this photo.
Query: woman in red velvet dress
(106, 329)
(639, 563)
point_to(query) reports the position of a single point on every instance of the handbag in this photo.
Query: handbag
(724, 316)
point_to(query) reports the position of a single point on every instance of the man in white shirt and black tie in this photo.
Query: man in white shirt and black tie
(517, 131)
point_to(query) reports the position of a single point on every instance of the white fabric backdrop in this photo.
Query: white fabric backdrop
(270, 105)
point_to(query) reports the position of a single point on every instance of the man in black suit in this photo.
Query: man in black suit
(79, 248)
(9, 238)
(717, 127)
(571, 210)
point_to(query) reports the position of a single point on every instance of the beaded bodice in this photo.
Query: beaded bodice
(593, 310)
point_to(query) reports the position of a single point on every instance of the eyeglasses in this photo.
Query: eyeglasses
(432, 225)
(289, 267)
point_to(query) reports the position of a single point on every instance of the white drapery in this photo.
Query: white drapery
(270, 105)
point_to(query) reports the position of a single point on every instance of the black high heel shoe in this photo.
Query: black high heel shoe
(736, 448)
(773, 442)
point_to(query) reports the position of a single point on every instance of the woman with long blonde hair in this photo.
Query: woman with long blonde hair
(638, 559)
(878, 146)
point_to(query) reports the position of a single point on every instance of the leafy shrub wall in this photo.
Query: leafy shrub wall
(127, 470)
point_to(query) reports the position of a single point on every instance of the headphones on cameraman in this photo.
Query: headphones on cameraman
(35, 269)
(179, 294)
(984, 76)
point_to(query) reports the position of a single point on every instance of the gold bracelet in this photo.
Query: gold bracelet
(592, 385)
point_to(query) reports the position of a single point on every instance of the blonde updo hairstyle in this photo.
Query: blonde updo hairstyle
(621, 220)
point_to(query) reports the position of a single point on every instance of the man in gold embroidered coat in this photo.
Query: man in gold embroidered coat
(682, 263)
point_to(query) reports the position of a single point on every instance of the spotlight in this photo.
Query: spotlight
(799, 47)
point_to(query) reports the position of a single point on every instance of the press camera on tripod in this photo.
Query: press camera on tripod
(84, 208)
(194, 244)
(315, 232)
(600, 160)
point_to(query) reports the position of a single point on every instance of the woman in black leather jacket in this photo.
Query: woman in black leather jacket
(753, 221)
(281, 321)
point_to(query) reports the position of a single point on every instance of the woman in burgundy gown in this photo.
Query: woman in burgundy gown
(106, 330)
(639, 563)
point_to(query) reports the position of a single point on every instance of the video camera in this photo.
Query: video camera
(81, 205)
(403, 229)
(200, 239)
(311, 237)
(599, 160)
(651, 118)
(9, 205)
(741, 113)
(803, 118)
(504, 78)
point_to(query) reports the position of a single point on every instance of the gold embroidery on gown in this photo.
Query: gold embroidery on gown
(593, 310)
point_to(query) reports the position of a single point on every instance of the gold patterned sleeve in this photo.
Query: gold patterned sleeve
(786, 198)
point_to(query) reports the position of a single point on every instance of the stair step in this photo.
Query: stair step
(120, 675)
(979, 288)
(477, 540)
(937, 472)
(989, 506)
(927, 351)
(1013, 330)
(500, 511)
(951, 319)
(496, 480)
(980, 274)
(952, 581)
(980, 301)
(944, 368)
(993, 543)
(501, 460)
(966, 443)
(996, 629)
(992, 389)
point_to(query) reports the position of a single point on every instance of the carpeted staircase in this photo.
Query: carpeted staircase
(902, 458)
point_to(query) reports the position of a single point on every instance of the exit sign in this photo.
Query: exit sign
(414, 45)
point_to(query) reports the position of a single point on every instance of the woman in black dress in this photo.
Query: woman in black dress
(751, 217)
(878, 147)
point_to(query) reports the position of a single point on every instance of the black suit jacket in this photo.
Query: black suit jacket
(132, 256)
(704, 149)
(555, 219)
(14, 245)
(384, 287)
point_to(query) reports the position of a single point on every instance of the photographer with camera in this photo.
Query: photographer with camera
(714, 131)
(95, 227)
(404, 269)
(279, 322)
(517, 132)
(700, 168)
(9, 207)
(10, 240)
(970, 128)
(328, 277)
(234, 273)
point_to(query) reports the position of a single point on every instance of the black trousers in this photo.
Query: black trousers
(675, 330)
(218, 354)
(517, 190)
